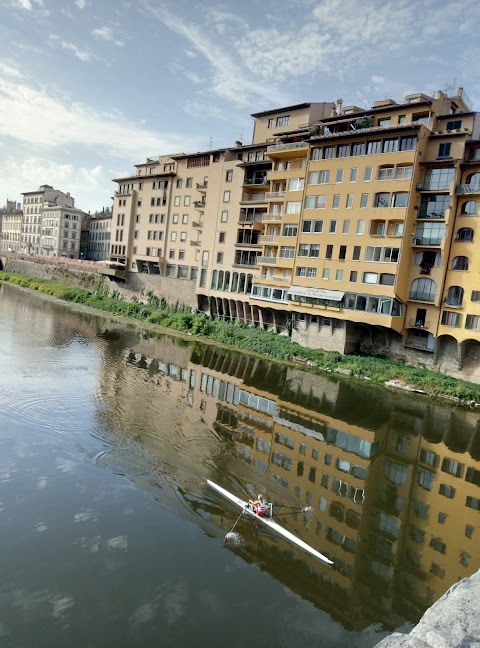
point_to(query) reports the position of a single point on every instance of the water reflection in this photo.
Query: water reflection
(393, 479)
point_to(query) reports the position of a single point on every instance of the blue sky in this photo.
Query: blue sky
(90, 87)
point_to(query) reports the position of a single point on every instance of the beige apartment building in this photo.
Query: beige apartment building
(349, 229)
(99, 234)
(11, 227)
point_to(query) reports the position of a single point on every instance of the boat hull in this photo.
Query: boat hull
(270, 523)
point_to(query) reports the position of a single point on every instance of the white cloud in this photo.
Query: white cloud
(106, 34)
(83, 55)
(229, 80)
(28, 5)
(81, 4)
(39, 118)
(192, 76)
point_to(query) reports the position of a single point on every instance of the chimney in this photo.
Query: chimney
(238, 144)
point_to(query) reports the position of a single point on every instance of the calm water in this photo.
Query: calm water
(109, 535)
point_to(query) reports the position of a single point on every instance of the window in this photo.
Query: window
(363, 201)
(384, 122)
(329, 152)
(460, 263)
(171, 254)
(283, 121)
(333, 227)
(181, 254)
(475, 296)
(310, 273)
(451, 319)
(359, 148)
(346, 227)
(408, 143)
(353, 174)
(382, 200)
(183, 236)
(339, 176)
(189, 183)
(402, 119)
(447, 491)
(312, 226)
(454, 125)
(184, 219)
(295, 184)
(464, 234)
(374, 147)
(293, 207)
(221, 237)
(176, 201)
(315, 202)
(400, 199)
(229, 175)
(174, 218)
(326, 273)
(360, 226)
(271, 122)
(173, 236)
(454, 296)
(353, 276)
(219, 257)
(367, 174)
(370, 277)
(343, 150)
(336, 201)
(290, 230)
(469, 208)
(356, 253)
(444, 150)
(329, 252)
(472, 323)
(226, 196)
(339, 275)
(349, 202)
(224, 216)
(318, 177)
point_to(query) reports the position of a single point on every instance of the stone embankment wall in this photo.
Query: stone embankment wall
(452, 622)
(87, 275)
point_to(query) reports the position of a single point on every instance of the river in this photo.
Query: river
(110, 536)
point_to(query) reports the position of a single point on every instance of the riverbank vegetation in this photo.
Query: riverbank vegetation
(181, 318)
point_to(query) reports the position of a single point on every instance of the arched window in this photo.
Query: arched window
(464, 234)
(226, 285)
(470, 207)
(474, 179)
(249, 283)
(460, 263)
(241, 287)
(454, 296)
(214, 280)
(423, 290)
(220, 280)
(235, 282)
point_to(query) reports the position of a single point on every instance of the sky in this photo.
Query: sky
(88, 88)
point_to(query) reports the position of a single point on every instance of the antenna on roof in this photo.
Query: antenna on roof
(210, 143)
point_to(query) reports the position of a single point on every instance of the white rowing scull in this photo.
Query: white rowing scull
(270, 523)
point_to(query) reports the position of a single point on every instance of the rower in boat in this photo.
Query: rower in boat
(259, 506)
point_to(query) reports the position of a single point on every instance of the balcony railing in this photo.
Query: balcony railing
(421, 296)
(433, 186)
(199, 204)
(453, 303)
(202, 186)
(463, 190)
(286, 146)
(256, 181)
(272, 278)
(268, 238)
(272, 216)
(251, 244)
(244, 264)
(427, 240)
(274, 195)
(419, 323)
(198, 223)
(426, 215)
(264, 260)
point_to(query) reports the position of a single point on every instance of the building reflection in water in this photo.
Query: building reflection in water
(393, 479)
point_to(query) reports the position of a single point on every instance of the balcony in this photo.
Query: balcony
(419, 323)
(268, 238)
(465, 190)
(195, 243)
(244, 264)
(427, 241)
(247, 200)
(123, 193)
(424, 214)
(453, 303)
(271, 216)
(199, 204)
(421, 296)
(271, 278)
(267, 260)
(197, 224)
(274, 195)
(433, 186)
(255, 182)
(248, 244)
(276, 148)
(202, 186)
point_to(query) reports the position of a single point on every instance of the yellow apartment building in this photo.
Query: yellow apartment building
(348, 229)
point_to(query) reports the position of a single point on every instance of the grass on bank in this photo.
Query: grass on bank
(181, 318)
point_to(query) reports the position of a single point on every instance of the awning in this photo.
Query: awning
(316, 293)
